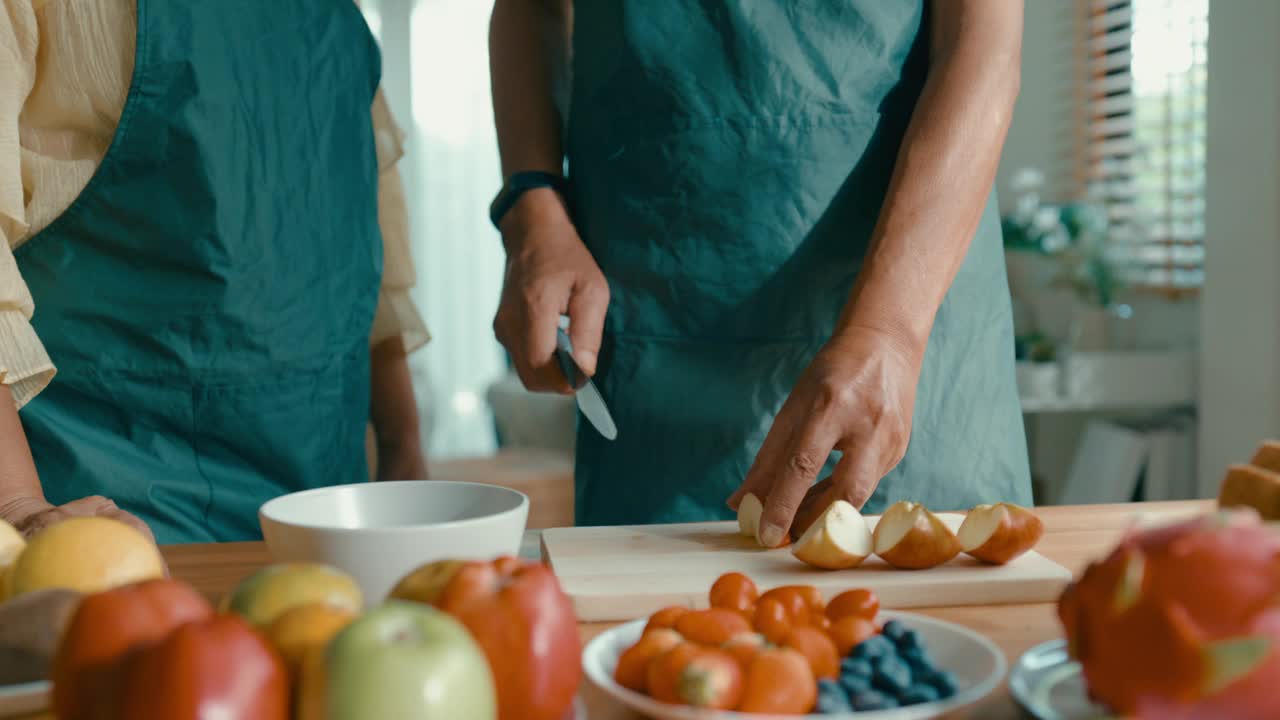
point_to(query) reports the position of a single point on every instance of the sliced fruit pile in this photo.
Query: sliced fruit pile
(786, 652)
(908, 535)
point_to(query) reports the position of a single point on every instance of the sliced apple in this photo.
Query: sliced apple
(999, 533)
(910, 537)
(749, 512)
(837, 540)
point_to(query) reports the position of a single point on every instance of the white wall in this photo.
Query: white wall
(1240, 329)
(1040, 134)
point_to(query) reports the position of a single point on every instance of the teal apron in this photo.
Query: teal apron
(208, 298)
(728, 160)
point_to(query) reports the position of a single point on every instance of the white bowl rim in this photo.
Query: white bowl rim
(963, 699)
(269, 510)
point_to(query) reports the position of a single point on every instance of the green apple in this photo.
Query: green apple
(407, 660)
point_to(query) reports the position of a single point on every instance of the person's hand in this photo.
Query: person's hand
(856, 396)
(31, 515)
(549, 273)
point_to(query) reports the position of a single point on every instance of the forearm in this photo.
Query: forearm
(529, 68)
(944, 172)
(392, 407)
(18, 479)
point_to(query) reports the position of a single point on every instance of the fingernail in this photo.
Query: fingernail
(587, 361)
(770, 535)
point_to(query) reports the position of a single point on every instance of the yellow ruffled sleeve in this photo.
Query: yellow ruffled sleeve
(396, 314)
(25, 367)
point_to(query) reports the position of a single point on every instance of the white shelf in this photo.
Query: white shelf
(1100, 381)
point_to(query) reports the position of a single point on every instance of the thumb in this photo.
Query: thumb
(587, 308)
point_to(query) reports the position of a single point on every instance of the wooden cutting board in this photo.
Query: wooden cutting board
(625, 572)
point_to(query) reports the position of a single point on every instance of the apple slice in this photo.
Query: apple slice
(749, 512)
(999, 533)
(910, 537)
(837, 540)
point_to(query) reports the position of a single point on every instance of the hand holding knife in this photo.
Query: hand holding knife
(590, 402)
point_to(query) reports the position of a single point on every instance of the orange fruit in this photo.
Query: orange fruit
(860, 602)
(662, 678)
(713, 626)
(734, 591)
(772, 619)
(817, 648)
(850, 630)
(633, 665)
(779, 680)
(302, 627)
(745, 647)
(711, 678)
(666, 617)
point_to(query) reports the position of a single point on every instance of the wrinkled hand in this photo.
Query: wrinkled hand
(856, 396)
(549, 273)
(31, 515)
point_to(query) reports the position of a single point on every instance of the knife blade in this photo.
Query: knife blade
(590, 402)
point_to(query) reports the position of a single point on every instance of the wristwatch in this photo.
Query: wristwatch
(518, 184)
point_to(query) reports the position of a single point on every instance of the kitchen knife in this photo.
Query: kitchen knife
(589, 399)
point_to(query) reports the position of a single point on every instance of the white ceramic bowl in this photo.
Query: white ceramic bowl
(379, 531)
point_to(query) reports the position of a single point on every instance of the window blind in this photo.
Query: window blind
(1141, 148)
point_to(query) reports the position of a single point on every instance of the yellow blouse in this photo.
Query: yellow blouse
(65, 67)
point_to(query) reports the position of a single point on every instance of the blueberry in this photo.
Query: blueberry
(872, 700)
(917, 694)
(942, 681)
(894, 631)
(855, 684)
(857, 667)
(918, 658)
(873, 647)
(832, 698)
(893, 676)
(908, 639)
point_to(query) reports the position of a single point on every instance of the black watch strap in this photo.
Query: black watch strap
(517, 185)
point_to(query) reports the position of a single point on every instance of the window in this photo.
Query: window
(1143, 140)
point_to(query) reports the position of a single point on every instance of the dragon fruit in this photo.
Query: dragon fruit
(1182, 622)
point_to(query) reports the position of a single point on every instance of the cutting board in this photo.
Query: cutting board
(625, 572)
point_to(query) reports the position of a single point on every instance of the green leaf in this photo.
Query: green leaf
(1130, 588)
(1229, 660)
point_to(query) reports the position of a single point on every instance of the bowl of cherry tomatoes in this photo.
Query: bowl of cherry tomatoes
(787, 652)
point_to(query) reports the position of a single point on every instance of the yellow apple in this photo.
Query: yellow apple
(837, 540)
(749, 512)
(909, 537)
(86, 554)
(11, 546)
(265, 595)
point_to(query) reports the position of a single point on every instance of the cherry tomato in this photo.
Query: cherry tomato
(665, 618)
(735, 591)
(713, 626)
(792, 600)
(772, 619)
(850, 630)
(860, 602)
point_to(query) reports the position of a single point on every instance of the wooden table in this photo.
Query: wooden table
(1074, 535)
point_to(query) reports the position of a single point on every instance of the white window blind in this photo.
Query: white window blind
(1141, 149)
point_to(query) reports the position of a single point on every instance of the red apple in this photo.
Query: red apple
(999, 533)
